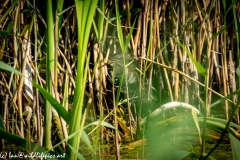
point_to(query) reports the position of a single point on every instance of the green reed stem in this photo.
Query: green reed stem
(84, 11)
(50, 68)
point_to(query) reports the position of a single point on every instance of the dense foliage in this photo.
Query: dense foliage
(113, 72)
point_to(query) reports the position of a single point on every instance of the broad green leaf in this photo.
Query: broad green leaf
(76, 152)
(231, 124)
(9, 68)
(60, 5)
(224, 99)
(218, 126)
(235, 145)
(5, 34)
(194, 114)
(20, 142)
(84, 12)
(129, 37)
(85, 138)
(199, 67)
(59, 108)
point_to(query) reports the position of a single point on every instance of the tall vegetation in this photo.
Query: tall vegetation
(107, 72)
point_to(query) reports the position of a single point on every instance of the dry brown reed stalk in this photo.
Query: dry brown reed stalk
(165, 68)
(4, 5)
(192, 79)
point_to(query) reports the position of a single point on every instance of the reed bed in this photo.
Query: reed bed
(79, 71)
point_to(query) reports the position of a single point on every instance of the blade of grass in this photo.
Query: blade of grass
(59, 108)
(50, 63)
(235, 145)
(119, 29)
(199, 67)
(84, 11)
(9, 68)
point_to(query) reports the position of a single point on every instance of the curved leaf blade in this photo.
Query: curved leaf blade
(59, 108)
(199, 67)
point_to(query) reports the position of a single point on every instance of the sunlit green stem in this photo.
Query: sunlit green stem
(84, 12)
(49, 69)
